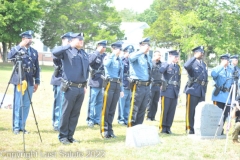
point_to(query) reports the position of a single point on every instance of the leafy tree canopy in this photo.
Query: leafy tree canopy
(17, 16)
(96, 18)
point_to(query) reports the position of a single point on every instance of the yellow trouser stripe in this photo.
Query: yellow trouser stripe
(132, 106)
(104, 107)
(161, 116)
(187, 112)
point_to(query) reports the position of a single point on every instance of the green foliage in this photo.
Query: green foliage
(96, 18)
(149, 15)
(128, 15)
(18, 16)
(214, 24)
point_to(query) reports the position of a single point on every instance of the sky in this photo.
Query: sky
(136, 5)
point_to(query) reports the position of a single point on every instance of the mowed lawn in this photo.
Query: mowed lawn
(92, 146)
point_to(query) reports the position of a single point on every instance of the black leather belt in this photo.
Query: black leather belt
(143, 83)
(156, 84)
(117, 80)
(226, 89)
(79, 85)
(175, 83)
(203, 83)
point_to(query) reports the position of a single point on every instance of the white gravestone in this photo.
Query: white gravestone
(206, 120)
(7, 102)
(142, 135)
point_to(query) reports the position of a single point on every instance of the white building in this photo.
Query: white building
(133, 32)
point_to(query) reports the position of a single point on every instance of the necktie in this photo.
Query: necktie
(119, 66)
(82, 67)
(149, 68)
(28, 51)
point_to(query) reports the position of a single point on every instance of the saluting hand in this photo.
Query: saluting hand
(73, 43)
(24, 42)
(116, 52)
(197, 55)
(99, 48)
(224, 62)
(144, 48)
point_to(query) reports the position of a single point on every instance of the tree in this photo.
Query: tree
(160, 24)
(187, 24)
(150, 15)
(17, 16)
(96, 18)
(128, 15)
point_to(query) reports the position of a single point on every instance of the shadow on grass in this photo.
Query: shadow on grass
(170, 135)
(97, 127)
(119, 138)
(3, 129)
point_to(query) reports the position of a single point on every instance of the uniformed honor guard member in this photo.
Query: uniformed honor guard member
(222, 76)
(30, 78)
(112, 87)
(124, 102)
(196, 86)
(95, 83)
(56, 82)
(236, 69)
(156, 77)
(169, 91)
(140, 70)
(75, 74)
(236, 73)
(234, 61)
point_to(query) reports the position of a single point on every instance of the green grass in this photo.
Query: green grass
(175, 146)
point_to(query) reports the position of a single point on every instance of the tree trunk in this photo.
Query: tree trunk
(9, 45)
(4, 57)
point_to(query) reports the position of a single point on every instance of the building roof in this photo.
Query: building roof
(129, 27)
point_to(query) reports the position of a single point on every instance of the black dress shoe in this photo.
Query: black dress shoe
(107, 137)
(25, 131)
(190, 132)
(64, 141)
(169, 132)
(16, 131)
(72, 140)
(164, 132)
(112, 136)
